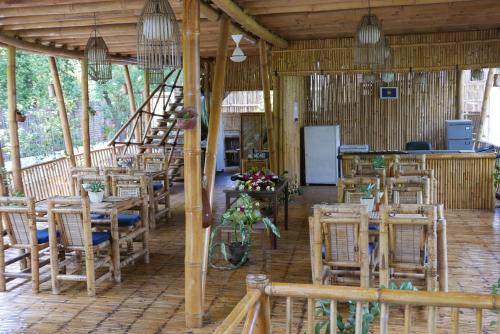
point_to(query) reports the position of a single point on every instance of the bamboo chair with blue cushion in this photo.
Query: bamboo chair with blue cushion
(75, 172)
(339, 244)
(19, 220)
(158, 162)
(132, 225)
(71, 216)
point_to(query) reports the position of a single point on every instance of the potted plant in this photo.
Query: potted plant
(95, 190)
(368, 195)
(240, 219)
(186, 119)
(379, 162)
(20, 116)
(496, 177)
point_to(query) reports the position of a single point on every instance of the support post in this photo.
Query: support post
(13, 130)
(258, 320)
(216, 104)
(192, 167)
(460, 94)
(131, 100)
(485, 105)
(87, 160)
(68, 142)
(266, 88)
(148, 117)
(3, 177)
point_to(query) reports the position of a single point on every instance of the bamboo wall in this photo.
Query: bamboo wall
(425, 101)
(433, 51)
(244, 75)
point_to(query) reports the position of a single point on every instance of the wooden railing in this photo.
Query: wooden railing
(50, 178)
(255, 306)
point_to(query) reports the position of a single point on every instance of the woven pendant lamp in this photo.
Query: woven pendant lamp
(158, 37)
(369, 42)
(97, 56)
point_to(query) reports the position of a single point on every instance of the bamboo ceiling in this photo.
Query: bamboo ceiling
(66, 24)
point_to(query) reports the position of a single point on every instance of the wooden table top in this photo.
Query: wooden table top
(277, 189)
(109, 204)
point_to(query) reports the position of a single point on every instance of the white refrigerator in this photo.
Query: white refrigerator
(321, 147)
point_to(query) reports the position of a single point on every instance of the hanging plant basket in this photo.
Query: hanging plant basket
(20, 117)
(187, 118)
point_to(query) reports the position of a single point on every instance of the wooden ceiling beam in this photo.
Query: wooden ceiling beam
(249, 23)
(52, 51)
(20, 20)
(71, 23)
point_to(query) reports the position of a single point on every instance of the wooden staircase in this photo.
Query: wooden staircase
(158, 128)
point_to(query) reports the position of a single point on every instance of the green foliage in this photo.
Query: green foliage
(496, 174)
(379, 162)
(348, 325)
(368, 190)
(495, 290)
(17, 194)
(294, 190)
(94, 186)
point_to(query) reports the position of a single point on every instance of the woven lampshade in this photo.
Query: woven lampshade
(369, 43)
(158, 37)
(96, 53)
(156, 77)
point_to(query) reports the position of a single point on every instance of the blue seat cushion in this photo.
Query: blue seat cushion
(128, 219)
(371, 247)
(97, 216)
(374, 227)
(100, 237)
(157, 185)
(42, 235)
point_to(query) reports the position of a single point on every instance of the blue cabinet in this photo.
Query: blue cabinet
(459, 135)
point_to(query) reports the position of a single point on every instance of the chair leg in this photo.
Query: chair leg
(35, 269)
(54, 267)
(2, 263)
(90, 271)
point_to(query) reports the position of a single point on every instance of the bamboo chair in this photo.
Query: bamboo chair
(362, 167)
(154, 162)
(77, 171)
(343, 230)
(128, 161)
(132, 224)
(108, 171)
(158, 162)
(19, 219)
(348, 188)
(428, 173)
(84, 179)
(409, 190)
(409, 163)
(408, 239)
(71, 216)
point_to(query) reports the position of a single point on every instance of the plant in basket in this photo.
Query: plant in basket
(256, 180)
(368, 193)
(186, 118)
(239, 220)
(379, 162)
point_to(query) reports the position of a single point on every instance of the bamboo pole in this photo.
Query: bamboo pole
(68, 142)
(13, 129)
(485, 105)
(3, 177)
(266, 87)
(216, 105)
(192, 167)
(131, 100)
(460, 93)
(258, 319)
(147, 92)
(87, 160)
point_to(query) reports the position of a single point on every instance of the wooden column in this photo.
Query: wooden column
(216, 105)
(460, 94)
(485, 105)
(266, 88)
(131, 100)
(13, 135)
(277, 124)
(68, 142)
(87, 160)
(192, 167)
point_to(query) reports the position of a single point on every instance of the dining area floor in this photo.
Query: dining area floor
(150, 298)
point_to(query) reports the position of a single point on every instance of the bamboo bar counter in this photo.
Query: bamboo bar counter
(464, 180)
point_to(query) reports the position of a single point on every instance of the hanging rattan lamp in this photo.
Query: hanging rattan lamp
(156, 77)
(97, 55)
(369, 43)
(158, 37)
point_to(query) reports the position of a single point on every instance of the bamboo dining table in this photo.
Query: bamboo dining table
(110, 207)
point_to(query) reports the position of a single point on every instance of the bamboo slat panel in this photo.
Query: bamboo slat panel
(425, 101)
(433, 51)
(243, 76)
(464, 180)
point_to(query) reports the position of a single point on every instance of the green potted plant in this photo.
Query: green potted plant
(240, 219)
(496, 177)
(368, 192)
(379, 162)
(95, 190)
(186, 118)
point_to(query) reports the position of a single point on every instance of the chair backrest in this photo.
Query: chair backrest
(84, 179)
(129, 186)
(348, 190)
(154, 162)
(343, 229)
(127, 161)
(19, 219)
(107, 171)
(418, 146)
(71, 216)
(409, 227)
(77, 171)
(409, 190)
(408, 163)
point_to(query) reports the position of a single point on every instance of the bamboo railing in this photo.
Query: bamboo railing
(50, 178)
(254, 306)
